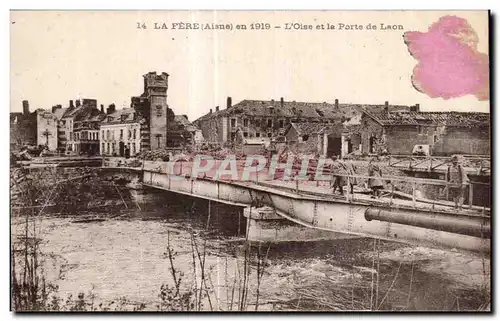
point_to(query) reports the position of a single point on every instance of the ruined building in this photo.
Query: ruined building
(46, 129)
(397, 129)
(38, 128)
(152, 111)
(266, 119)
(159, 126)
(23, 128)
(314, 138)
(181, 132)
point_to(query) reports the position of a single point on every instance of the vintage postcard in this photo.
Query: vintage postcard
(230, 161)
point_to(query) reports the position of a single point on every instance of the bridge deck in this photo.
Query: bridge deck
(314, 191)
(311, 203)
(321, 188)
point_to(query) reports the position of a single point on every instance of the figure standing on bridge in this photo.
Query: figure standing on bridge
(457, 181)
(338, 175)
(375, 181)
(351, 171)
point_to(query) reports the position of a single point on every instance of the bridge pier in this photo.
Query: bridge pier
(264, 225)
(145, 195)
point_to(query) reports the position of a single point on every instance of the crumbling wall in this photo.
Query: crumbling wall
(401, 139)
(310, 146)
(463, 140)
(369, 128)
(23, 132)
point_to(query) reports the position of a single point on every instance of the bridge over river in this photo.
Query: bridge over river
(396, 215)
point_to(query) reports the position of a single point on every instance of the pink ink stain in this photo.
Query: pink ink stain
(449, 64)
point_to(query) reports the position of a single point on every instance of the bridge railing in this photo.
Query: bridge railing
(415, 192)
(409, 191)
(431, 163)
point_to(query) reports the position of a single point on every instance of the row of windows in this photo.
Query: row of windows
(257, 135)
(110, 134)
(112, 148)
(94, 135)
(84, 136)
(250, 135)
(257, 122)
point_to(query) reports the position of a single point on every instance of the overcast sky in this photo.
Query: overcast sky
(58, 56)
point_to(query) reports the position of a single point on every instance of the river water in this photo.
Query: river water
(127, 257)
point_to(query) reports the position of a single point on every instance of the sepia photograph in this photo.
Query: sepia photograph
(250, 161)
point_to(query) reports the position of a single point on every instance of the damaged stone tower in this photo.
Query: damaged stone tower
(155, 90)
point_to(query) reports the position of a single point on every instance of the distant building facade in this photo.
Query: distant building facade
(81, 127)
(259, 118)
(120, 133)
(46, 129)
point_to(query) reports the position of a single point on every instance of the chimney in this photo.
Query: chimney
(77, 103)
(90, 102)
(102, 108)
(111, 109)
(229, 102)
(56, 107)
(216, 108)
(336, 104)
(386, 106)
(210, 111)
(415, 108)
(71, 104)
(282, 102)
(26, 107)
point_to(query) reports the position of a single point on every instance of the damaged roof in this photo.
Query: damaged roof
(304, 128)
(60, 112)
(183, 120)
(288, 109)
(86, 112)
(120, 116)
(406, 117)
